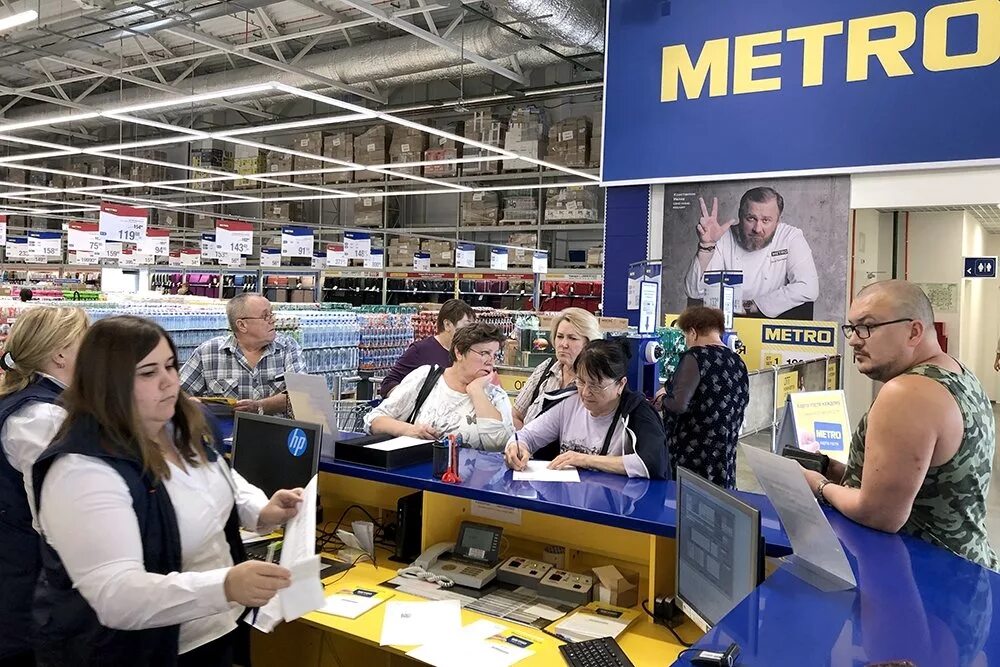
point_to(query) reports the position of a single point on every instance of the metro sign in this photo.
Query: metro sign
(980, 267)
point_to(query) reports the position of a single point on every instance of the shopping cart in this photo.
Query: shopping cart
(350, 414)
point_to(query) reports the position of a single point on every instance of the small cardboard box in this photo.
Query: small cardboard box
(616, 586)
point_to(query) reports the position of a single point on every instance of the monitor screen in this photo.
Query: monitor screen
(274, 453)
(718, 549)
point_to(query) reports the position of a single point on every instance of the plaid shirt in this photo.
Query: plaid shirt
(219, 368)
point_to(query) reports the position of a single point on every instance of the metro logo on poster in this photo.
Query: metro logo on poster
(829, 436)
(795, 335)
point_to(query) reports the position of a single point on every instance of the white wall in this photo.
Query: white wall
(935, 247)
(980, 319)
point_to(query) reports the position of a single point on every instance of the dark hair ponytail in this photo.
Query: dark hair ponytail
(605, 359)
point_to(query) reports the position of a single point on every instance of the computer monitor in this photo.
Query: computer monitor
(719, 551)
(274, 453)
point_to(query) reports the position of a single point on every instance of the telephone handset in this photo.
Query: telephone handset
(430, 557)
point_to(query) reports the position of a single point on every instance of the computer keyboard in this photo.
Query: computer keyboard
(603, 652)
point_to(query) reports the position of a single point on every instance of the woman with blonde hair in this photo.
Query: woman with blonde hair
(38, 362)
(571, 331)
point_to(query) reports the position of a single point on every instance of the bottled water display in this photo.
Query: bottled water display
(384, 338)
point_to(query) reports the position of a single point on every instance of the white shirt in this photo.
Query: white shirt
(87, 517)
(449, 411)
(26, 434)
(777, 278)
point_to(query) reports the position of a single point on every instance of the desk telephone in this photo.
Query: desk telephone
(471, 561)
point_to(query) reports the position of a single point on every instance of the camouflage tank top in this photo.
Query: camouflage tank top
(950, 507)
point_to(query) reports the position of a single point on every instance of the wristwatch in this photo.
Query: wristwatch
(819, 493)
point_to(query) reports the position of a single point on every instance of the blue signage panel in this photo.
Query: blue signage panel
(713, 89)
(980, 267)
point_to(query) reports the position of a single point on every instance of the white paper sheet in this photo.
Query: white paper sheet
(298, 555)
(476, 644)
(402, 442)
(347, 604)
(417, 623)
(538, 471)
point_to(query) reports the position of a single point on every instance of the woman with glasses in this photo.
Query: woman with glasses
(573, 329)
(603, 426)
(704, 403)
(464, 399)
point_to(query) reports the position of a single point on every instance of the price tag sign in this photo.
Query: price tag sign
(156, 242)
(175, 258)
(190, 257)
(234, 237)
(3, 230)
(319, 260)
(118, 222)
(297, 242)
(540, 262)
(46, 245)
(465, 256)
(88, 258)
(128, 258)
(498, 259)
(17, 248)
(357, 245)
(209, 247)
(112, 250)
(232, 259)
(421, 261)
(84, 237)
(270, 257)
(336, 255)
(376, 260)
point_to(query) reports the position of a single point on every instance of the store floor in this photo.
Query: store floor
(746, 481)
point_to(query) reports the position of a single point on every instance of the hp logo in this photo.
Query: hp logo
(297, 442)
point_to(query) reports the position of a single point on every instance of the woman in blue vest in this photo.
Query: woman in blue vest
(38, 362)
(142, 560)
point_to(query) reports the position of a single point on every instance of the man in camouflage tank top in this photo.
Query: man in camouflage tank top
(921, 459)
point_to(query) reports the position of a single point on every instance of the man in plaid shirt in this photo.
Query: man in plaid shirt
(249, 364)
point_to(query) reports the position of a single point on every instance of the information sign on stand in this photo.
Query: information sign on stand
(816, 421)
(234, 237)
(357, 245)
(3, 229)
(174, 258)
(156, 242)
(16, 248)
(209, 246)
(336, 255)
(112, 250)
(270, 257)
(540, 262)
(649, 303)
(498, 259)
(375, 260)
(190, 257)
(319, 260)
(297, 242)
(84, 237)
(465, 256)
(45, 245)
(118, 222)
(421, 261)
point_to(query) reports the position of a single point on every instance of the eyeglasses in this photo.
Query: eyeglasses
(594, 388)
(267, 318)
(486, 355)
(864, 331)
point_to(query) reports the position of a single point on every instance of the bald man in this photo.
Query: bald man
(921, 459)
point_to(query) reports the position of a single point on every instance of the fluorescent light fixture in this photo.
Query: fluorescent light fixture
(310, 122)
(190, 99)
(58, 120)
(20, 18)
(155, 123)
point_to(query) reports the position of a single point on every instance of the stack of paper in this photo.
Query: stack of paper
(594, 622)
(482, 643)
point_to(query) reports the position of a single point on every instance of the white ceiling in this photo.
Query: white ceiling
(988, 215)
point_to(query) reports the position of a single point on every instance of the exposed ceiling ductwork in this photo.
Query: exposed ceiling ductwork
(577, 25)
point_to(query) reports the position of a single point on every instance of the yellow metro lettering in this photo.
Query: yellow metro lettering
(745, 62)
(713, 64)
(936, 58)
(813, 39)
(889, 51)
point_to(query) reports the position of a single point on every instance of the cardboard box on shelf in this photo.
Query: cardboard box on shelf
(480, 209)
(372, 148)
(286, 211)
(487, 129)
(569, 142)
(145, 172)
(595, 256)
(278, 163)
(527, 135)
(338, 146)
(368, 211)
(202, 221)
(573, 204)
(442, 252)
(616, 586)
(519, 209)
(524, 255)
(248, 160)
(442, 148)
(308, 142)
(407, 145)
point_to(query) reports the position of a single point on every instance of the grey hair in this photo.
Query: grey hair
(908, 300)
(237, 308)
